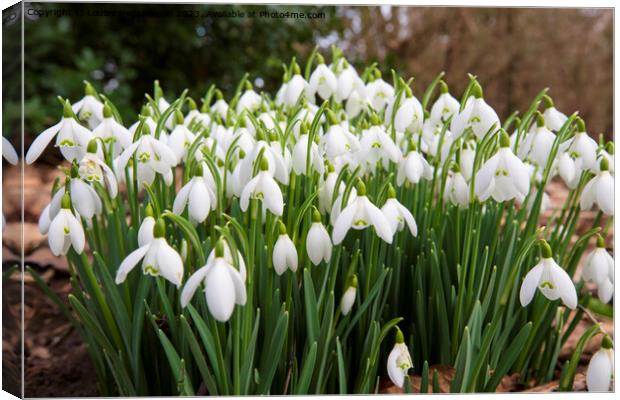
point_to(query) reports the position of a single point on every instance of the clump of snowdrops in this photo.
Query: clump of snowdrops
(340, 232)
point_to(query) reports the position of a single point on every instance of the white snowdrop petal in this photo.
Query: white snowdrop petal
(192, 284)
(130, 262)
(529, 285)
(598, 375)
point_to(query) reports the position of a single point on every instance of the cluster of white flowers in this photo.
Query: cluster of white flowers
(257, 144)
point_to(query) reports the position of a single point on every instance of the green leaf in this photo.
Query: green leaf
(307, 370)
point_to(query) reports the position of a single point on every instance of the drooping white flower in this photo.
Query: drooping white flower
(457, 189)
(220, 107)
(552, 281)
(327, 188)
(296, 87)
(503, 176)
(599, 268)
(71, 137)
(89, 109)
(600, 191)
(398, 215)
(399, 361)
(152, 156)
(198, 196)
(601, 368)
(477, 114)
(92, 169)
(112, 132)
(318, 242)
(409, 116)
(224, 286)
(264, 188)
(8, 152)
(159, 258)
(413, 167)
(582, 149)
(444, 107)
(348, 298)
(284, 252)
(554, 119)
(376, 145)
(432, 138)
(300, 152)
(537, 143)
(348, 81)
(360, 214)
(338, 141)
(181, 138)
(379, 93)
(249, 100)
(65, 230)
(322, 80)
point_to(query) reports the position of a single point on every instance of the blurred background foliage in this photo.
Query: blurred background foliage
(514, 52)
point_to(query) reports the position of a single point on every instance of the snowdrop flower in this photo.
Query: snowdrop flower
(580, 155)
(409, 116)
(599, 190)
(299, 157)
(112, 132)
(276, 162)
(296, 87)
(457, 189)
(65, 230)
(152, 156)
(356, 102)
(322, 81)
(348, 298)
(318, 242)
(89, 109)
(601, 367)
(224, 286)
(228, 257)
(198, 196)
(466, 157)
(284, 252)
(249, 100)
(349, 82)
(431, 138)
(8, 152)
(159, 258)
(327, 188)
(359, 215)
(397, 215)
(376, 145)
(477, 114)
(413, 167)
(554, 119)
(181, 138)
(71, 137)
(552, 281)
(445, 106)
(220, 107)
(399, 361)
(149, 124)
(92, 169)
(338, 140)
(599, 268)
(537, 144)
(264, 188)
(379, 92)
(503, 176)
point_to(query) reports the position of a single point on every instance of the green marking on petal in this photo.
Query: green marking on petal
(547, 284)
